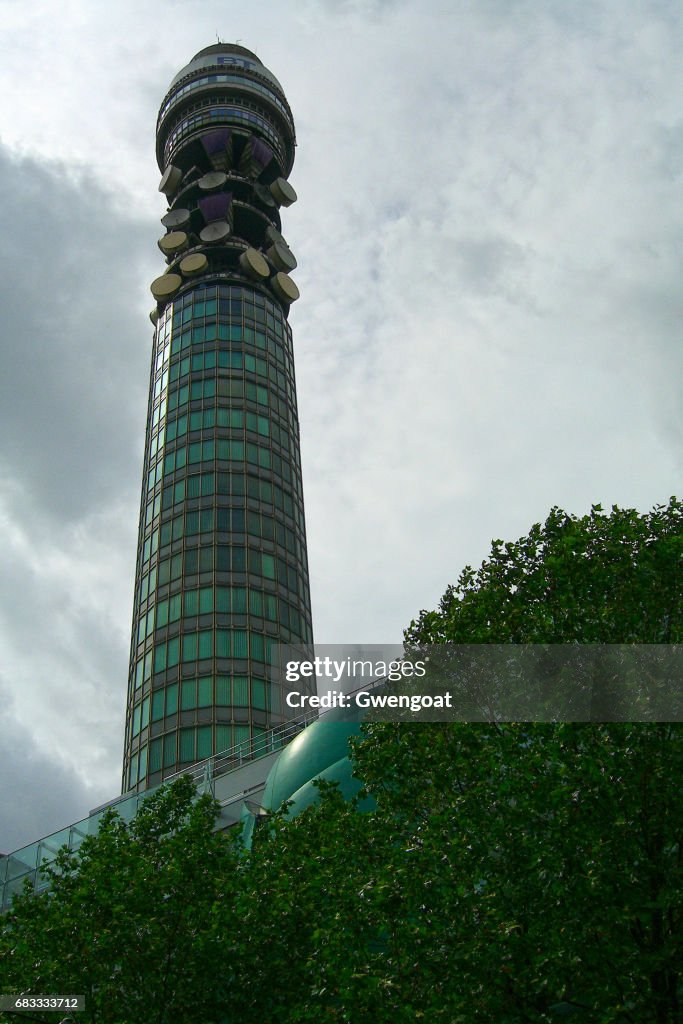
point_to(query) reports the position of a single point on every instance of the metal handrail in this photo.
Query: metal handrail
(246, 750)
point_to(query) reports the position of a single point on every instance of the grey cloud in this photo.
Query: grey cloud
(40, 794)
(75, 351)
(75, 346)
(488, 237)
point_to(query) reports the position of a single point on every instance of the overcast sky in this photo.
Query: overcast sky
(489, 234)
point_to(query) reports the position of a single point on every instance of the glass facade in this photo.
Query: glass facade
(222, 572)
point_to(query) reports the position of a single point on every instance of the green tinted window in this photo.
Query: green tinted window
(188, 694)
(157, 705)
(258, 691)
(205, 644)
(223, 738)
(240, 691)
(169, 750)
(173, 651)
(222, 643)
(155, 755)
(189, 647)
(205, 692)
(204, 745)
(187, 744)
(172, 699)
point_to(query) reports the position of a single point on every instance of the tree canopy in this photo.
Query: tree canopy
(601, 578)
(519, 873)
(128, 920)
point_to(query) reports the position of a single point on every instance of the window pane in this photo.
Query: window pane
(158, 705)
(169, 750)
(187, 744)
(174, 608)
(256, 646)
(205, 692)
(189, 647)
(242, 734)
(173, 651)
(162, 613)
(259, 746)
(222, 643)
(206, 643)
(258, 690)
(204, 742)
(155, 755)
(172, 699)
(223, 738)
(188, 698)
(160, 657)
(240, 691)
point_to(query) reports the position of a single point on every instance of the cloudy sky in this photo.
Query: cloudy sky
(489, 234)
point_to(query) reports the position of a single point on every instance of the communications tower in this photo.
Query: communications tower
(222, 570)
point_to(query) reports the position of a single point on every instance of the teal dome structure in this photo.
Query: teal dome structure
(321, 751)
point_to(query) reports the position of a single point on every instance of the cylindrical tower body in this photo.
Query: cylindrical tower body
(221, 564)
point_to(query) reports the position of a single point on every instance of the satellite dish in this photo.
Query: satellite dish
(175, 241)
(165, 286)
(262, 193)
(214, 179)
(253, 263)
(284, 287)
(273, 236)
(215, 232)
(281, 256)
(282, 192)
(179, 218)
(170, 180)
(195, 263)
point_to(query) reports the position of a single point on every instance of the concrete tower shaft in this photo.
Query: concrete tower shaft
(222, 568)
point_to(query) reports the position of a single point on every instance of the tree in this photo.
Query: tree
(533, 867)
(540, 867)
(519, 873)
(608, 579)
(129, 919)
